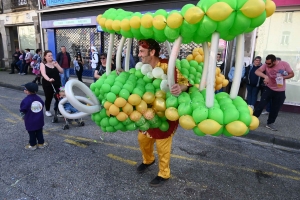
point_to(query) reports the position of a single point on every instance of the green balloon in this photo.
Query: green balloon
(226, 24)
(245, 118)
(96, 117)
(127, 34)
(104, 122)
(127, 121)
(168, 94)
(113, 121)
(227, 106)
(256, 22)
(171, 33)
(200, 114)
(147, 32)
(185, 109)
(172, 101)
(240, 4)
(198, 132)
(140, 81)
(128, 87)
(109, 81)
(119, 126)
(243, 109)
(141, 121)
(157, 124)
(115, 89)
(241, 23)
(191, 77)
(156, 83)
(187, 29)
(147, 80)
(105, 87)
(225, 101)
(97, 92)
(103, 114)
(93, 86)
(121, 79)
(137, 33)
(198, 39)
(216, 114)
(119, 84)
(132, 70)
(124, 94)
(161, 12)
(184, 97)
(193, 89)
(226, 133)
(111, 97)
(231, 115)
(145, 126)
(184, 72)
(207, 26)
(193, 71)
(138, 91)
(164, 126)
(131, 127)
(139, 74)
(221, 95)
(187, 40)
(149, 86)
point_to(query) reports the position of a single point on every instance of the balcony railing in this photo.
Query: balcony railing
(15, 4)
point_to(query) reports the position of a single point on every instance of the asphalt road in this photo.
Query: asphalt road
(84, 163)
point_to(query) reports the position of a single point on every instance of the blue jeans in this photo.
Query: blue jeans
(70, 108)
(65, 76)
(252, 92)
(93, 72)
(36, 135)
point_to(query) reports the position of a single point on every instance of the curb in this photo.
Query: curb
(272, 139)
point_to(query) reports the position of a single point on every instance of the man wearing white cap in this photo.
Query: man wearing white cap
(94, 61)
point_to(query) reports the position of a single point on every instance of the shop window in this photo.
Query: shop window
(285, 38)
(288, 17)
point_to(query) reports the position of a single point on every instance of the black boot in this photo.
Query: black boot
(55, 119)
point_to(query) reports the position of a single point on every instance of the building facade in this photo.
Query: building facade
(19, 27)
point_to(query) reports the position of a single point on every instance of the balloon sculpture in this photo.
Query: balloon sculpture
(139, 98)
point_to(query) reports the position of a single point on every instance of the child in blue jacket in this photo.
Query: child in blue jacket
(31, 110)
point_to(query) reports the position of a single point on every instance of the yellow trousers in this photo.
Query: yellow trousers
(163, 147)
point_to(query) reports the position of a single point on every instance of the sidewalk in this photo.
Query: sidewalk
(288, 134)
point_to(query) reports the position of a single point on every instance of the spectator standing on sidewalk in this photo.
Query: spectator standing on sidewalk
(78, 66)
(274, 78)
(14, 65)
(253, 81)
(36, 61)
(231, 75)
(31, 110)
(27, 61)
(64, 60)
(20, 62)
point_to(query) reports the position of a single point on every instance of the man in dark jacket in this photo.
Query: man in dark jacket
(13, 65)
(64, 60)
(253, 81)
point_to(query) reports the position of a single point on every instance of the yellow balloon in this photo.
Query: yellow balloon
(114, 110)
(147, 21)
(251, 110)
(159, 104)
(187, 122)
(98, 19)
(218, 86)
(161, 94)
(209, 126)
(194, 15)
(128, 108)
(270, 7)
(172, 114)
(116, 25)
(125, 25)
(218, 71)
(199, 58)
(219, 11)
(134, 99)
(225, 83)
(196, 53)
(201, 51)
(120, 102)
(148, 97)
(135, 22)
(122, 116)
(135, 116)
(107, 104)
(159, 22)
(254, 123)
(142, 107)
(236, 128)
(253, 8)
(102, 22)
(175, 20)
(160, 114)
(108, 24)
(190, 57)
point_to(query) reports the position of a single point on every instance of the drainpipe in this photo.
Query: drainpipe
(41, 29)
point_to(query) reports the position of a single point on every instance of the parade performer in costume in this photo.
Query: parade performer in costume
(149, 53)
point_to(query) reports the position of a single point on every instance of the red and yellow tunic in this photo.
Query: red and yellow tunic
(156, 133)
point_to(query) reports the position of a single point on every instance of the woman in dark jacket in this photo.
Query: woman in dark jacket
(78, 66)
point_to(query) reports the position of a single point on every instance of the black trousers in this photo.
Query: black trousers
(36, 135)
(25, 68)
(13, 66)
(277, 99)
(79, 73)
(49, 94)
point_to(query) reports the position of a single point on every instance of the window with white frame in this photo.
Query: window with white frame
(288, 17)
(285, 37)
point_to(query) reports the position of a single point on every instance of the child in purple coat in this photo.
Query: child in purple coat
(31, 110)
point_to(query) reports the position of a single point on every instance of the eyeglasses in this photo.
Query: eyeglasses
(144, 44)
(103, 58)
(268, 63)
